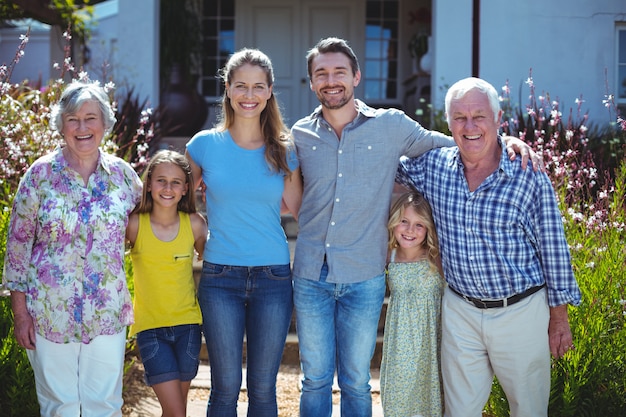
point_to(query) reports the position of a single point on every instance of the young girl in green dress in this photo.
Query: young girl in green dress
(410, 374)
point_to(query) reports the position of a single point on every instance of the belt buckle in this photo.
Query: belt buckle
(475, 301)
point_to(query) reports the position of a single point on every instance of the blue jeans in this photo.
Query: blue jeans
(257, 301)
(337, 326)
(170, 353)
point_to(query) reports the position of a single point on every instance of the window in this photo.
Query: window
(380, 72)
(620, 99)
(218, 43)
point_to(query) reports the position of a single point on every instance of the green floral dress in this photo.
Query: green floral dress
(410, 373)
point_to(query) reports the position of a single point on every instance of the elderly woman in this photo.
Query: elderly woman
(64, 261)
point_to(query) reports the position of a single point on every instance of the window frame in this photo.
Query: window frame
(219, 43)
(387, 65)
(620, 67)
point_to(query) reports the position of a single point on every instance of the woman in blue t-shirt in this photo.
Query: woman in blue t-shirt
(249, 166)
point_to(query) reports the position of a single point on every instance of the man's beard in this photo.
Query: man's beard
(345, 99)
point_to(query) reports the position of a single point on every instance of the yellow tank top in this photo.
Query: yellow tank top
(165, 292)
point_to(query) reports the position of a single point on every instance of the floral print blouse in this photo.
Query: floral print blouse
(65, 247)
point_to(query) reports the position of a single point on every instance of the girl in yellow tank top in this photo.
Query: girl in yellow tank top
(164, 231)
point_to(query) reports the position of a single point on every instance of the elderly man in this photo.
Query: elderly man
(505, 259)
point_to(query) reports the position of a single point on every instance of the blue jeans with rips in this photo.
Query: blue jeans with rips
(337, 326)
(257, 302)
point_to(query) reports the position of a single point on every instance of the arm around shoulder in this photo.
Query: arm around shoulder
(292, 195)
(516, 146)
(196, 171)
(200, 231)
(132, 228)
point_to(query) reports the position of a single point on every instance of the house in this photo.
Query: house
(575, 48)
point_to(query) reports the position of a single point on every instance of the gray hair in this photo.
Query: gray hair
(72, 99)
(464, 86)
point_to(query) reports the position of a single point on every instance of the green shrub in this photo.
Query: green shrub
(17, 383)
(591, 380)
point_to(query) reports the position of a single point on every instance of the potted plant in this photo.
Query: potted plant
(418, 47)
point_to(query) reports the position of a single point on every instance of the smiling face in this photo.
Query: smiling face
(167, 184)
(473, 125)
(248, 91)
(332, 79)
(411, 232)
(83, 131)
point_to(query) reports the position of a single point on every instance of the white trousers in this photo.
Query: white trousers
(74, 379)
(510, 342)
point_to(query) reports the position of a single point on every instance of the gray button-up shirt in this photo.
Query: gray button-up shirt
(348, 183)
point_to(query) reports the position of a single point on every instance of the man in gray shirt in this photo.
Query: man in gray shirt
(348, 155)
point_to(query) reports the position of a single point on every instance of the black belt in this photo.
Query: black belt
(498, 303)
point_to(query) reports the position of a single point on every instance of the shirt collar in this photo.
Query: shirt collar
(504, 167)
(361, 108)
(102, 161)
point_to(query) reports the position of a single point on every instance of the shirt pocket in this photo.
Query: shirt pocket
(369, 159)
(318, 161)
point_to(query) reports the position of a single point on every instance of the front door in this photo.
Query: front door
(285, 30)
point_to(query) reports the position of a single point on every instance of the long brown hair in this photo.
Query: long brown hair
(275, 132)
(187, 203)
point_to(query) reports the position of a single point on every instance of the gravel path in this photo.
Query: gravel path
(140, 400)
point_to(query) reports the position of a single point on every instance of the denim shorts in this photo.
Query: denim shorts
(170, 353)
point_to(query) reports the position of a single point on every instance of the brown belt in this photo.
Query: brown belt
(498, 303)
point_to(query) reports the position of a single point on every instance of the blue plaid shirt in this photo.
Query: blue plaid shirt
(501, 239)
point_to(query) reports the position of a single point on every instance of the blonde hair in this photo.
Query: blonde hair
(423, 210)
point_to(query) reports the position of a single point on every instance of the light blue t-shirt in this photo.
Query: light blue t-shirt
(243, 199)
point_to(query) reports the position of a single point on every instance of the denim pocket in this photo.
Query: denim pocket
(148, 344)
(195, 341)
(210, 270)
(279, 272)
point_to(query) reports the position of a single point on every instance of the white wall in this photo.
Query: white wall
(35, 64)
(567, 43)
(126, 37)
(103, 45)
(138, 43)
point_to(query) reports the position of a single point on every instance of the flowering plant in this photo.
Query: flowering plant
(589, 380)
(25, 117)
